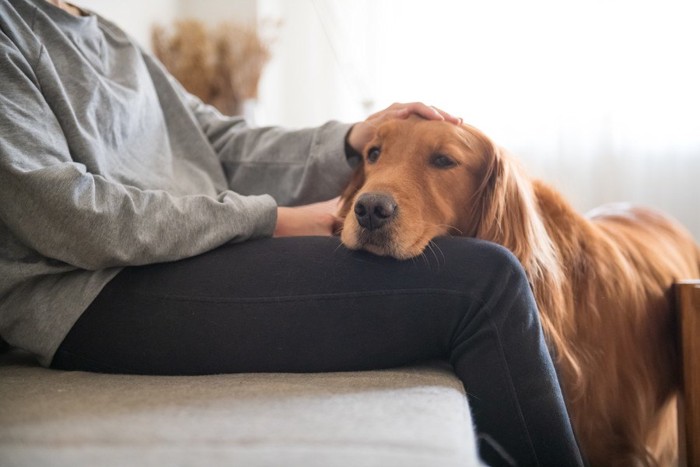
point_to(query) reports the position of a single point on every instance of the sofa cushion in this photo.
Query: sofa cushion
(412, 416)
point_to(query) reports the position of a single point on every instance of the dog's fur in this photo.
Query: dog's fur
(602, 282)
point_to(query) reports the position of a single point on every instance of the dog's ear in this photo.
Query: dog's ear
(506, 212)
(357, 180)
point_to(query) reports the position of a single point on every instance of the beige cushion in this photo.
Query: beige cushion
(413, 416)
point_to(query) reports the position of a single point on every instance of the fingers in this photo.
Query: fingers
(399, 110)
(426, 111)
(430, 112)
(361, 133)
(448, 117)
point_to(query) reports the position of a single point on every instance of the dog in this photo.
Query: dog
(602, 282)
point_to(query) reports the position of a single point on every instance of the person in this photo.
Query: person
(145, 233)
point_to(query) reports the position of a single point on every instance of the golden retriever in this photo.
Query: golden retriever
(602, 282)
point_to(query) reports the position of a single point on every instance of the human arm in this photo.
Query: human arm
(294, 166)
(57, 204)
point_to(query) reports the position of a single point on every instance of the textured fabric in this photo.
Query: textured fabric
(308, 305)
(105, 161)
(406, 417)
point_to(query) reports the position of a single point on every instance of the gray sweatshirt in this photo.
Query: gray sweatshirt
(106, 162)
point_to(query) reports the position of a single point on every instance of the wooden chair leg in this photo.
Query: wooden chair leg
(688, 307)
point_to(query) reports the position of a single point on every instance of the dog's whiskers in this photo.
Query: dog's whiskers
(447, 228)
(433, 247)
(451, 229)
(340, 245)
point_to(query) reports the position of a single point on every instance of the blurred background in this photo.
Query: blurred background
(600, 98)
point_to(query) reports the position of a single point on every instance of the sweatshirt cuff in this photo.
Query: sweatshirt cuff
(250, 217)
(266, 207)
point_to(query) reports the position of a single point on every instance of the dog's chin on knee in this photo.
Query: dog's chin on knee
(380, 243)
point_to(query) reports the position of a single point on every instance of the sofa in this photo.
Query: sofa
(409, 417)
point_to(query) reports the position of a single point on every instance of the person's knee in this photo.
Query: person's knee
(487, 259)
(491, 274)
(498, 255)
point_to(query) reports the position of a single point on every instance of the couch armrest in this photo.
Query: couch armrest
(688, 308)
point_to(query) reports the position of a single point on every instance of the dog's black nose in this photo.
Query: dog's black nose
(374, 210)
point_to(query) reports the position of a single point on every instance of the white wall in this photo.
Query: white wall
(308, 81)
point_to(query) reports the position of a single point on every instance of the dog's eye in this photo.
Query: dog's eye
(373, 154)
(442, 161)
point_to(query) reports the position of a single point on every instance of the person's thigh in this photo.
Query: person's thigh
(294, 304)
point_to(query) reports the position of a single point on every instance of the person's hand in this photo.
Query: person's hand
(362, 133)
(310, 219)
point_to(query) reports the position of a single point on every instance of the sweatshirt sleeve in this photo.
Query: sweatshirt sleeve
(294, 166)
(63, 211)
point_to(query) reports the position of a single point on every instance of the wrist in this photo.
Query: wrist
(281, 226)
(352, 154)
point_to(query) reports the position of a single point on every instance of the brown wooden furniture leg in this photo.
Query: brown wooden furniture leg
(688, 306)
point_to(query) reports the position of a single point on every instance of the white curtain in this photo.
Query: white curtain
(601, 98)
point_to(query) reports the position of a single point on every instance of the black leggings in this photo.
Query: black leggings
(309, 305)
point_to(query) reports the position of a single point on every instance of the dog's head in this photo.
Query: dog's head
(416, 179)
(420, 179)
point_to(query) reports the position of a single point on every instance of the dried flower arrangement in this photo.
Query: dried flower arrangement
(221, 65)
